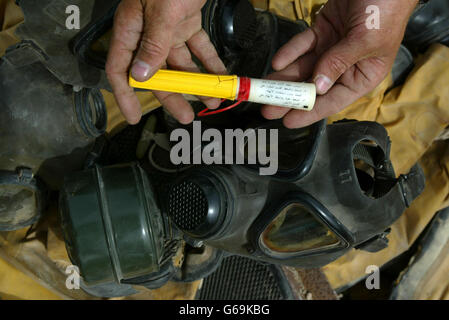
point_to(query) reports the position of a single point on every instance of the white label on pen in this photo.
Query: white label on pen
(294, 95)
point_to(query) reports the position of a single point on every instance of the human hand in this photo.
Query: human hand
(345, 59)
(149, 34)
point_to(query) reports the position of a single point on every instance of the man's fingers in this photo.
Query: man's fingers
(273, 112)
(128, 24)
(128, 103)
(155, 44)
(181, 59)
(204, 50)
(296, 47)
(338, 98)
(177, 106)
(211, 103)
(336, 61)
(357, 81)
(301, 70)
(201, 46)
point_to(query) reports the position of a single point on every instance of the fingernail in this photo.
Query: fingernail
(140, 70)
(186, 118)
(213, 103)
(323, 84)
(133, 120)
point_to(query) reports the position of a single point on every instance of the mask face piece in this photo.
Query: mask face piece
(247, 39)
(46, 129)
(308, 214)
(428, 24)
(65, 48)
(305, 219)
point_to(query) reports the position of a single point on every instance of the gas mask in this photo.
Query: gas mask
(335, 190)
(51, 107)
(46, 129)
(74, 56)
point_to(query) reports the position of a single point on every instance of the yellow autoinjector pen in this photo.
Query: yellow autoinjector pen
(295, 95)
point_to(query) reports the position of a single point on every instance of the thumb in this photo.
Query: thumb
(153, 51)
(335, 62)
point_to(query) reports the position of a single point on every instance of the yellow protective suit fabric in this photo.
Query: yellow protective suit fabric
(415, 114)
(10, 17)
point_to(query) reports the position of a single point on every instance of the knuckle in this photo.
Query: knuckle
(338, 65)
(201, 37)
(110, 71)
(377, 79)
(151, 47)
(175, 10)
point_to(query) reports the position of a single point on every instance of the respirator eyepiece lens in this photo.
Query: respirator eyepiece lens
(295, 230)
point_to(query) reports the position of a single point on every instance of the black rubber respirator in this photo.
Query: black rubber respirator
(335, 190)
